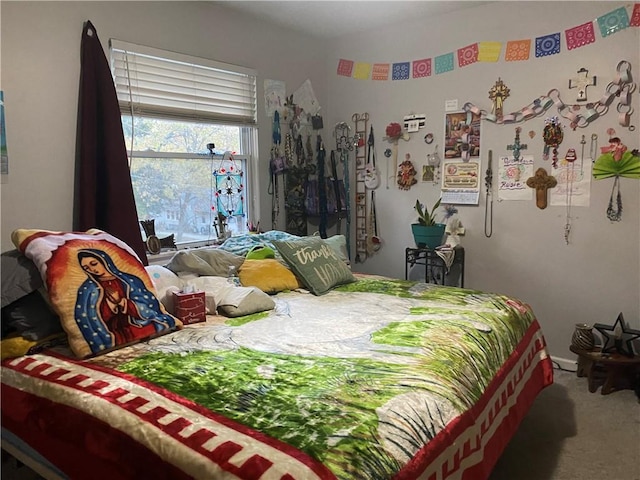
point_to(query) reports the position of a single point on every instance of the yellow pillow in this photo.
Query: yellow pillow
(98, 287)
(268, 274)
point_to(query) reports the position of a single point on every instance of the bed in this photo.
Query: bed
(372, 378)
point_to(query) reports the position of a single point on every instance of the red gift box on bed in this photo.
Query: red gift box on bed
(190, 307)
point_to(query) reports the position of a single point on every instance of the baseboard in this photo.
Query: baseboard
(564, 363)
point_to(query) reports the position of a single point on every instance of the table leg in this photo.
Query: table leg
(582, 367)
(590, 373)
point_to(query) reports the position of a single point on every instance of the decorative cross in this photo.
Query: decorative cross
(517, 146)
(498, 93)
(581, 82)
(541, 181)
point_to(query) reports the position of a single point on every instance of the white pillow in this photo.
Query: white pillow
(166, 282)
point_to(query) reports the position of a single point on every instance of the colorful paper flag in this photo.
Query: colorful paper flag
(613, 22)
(468, 55)
(380, 71)
(548, 45)
(517, 50)
(422, 68)
(444, 63)
(362, 70)
(400, 71)
(635, 16)
(580, 36)
(345, 67)
(489, 51)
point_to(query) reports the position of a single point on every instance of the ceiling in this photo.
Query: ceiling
(332, 18)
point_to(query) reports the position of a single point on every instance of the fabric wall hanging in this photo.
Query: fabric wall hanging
(616, 161)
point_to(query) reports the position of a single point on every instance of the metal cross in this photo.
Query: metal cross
(581, 82)
(517, 146)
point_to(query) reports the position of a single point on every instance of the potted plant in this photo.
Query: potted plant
(427, 232)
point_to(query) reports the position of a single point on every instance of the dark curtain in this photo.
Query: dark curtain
(103, 191)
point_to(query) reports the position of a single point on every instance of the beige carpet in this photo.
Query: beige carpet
(569, 434)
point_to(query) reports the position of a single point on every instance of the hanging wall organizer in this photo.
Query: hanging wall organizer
(361, 121)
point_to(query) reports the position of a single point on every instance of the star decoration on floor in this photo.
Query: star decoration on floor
(620, 339)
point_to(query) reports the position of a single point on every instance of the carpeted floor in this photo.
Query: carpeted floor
(572, 434)
(569, 434)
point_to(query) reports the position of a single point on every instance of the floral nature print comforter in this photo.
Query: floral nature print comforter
(360, 379)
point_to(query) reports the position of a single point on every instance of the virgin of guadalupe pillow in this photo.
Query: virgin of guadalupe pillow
(98, 287)
(315, 264)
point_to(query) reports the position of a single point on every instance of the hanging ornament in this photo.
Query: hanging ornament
(616, 161)
(553, 136)
(570, 157)
(434, 162)
(406, 174)
(229, 186)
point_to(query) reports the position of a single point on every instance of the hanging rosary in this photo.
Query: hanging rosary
(553, 136)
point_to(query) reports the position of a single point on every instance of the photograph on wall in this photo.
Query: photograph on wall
(460, 183)
(461, 135)
(428, 173)
(512, 178)
(574, 184)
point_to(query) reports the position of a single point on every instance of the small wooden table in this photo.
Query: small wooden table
(615, 367)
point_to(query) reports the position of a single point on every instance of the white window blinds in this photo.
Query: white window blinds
(158, 83)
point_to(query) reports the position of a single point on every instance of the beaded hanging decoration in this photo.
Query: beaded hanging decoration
(553, 136)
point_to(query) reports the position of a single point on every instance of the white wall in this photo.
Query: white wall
(590, 280)
(41, 71)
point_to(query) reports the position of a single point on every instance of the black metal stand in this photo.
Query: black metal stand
(435, 269)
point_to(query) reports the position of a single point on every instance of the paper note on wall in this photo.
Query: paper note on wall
(512, 178)
(306, 99)
(574, 184)
(275, 95)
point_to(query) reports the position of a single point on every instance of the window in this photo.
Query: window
(173, 108)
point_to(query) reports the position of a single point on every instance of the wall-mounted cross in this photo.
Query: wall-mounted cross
(517, 146)
(581, 82)
(498, 94)
(541, 181)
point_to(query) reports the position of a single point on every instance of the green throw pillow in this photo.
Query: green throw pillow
(315, 264)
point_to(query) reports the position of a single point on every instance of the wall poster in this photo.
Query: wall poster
(462, 135)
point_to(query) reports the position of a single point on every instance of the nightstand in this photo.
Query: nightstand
(614, 367)
(436, 270)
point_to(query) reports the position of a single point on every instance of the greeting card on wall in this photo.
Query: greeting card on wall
(574, 184)
(460, 183)
(512, 178)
